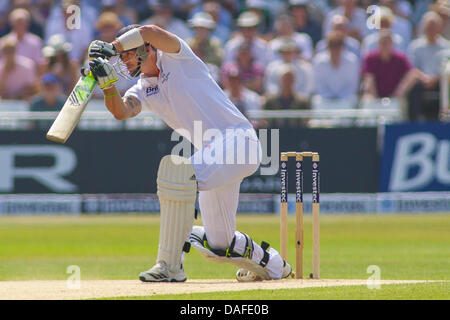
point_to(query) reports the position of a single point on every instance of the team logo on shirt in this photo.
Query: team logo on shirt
(164, 76)
(152, 90)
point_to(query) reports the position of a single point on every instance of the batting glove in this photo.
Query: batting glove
(103, 72)
(101, 49)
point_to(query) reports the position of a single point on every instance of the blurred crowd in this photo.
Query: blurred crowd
(265, 54)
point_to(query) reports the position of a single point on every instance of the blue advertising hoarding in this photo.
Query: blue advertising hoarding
(416, 157)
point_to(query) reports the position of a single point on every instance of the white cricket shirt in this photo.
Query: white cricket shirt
(184, 93)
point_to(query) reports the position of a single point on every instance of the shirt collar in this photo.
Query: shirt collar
(154, 80)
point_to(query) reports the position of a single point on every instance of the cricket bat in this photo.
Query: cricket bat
(71, 112)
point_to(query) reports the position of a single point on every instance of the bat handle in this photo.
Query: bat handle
(85, 71)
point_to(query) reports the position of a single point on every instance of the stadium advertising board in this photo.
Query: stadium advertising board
(416, 157)
(117, 162)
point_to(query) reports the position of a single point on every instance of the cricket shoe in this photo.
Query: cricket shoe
(243, 275)
(161, 272)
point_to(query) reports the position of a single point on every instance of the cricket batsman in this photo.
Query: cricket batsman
(177, 86)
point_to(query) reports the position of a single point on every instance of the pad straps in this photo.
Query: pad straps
(248, 251)
(265, 259)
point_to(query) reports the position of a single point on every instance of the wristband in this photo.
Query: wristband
(131, 39)
(111, 95)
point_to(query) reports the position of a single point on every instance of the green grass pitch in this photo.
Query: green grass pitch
(120, 246)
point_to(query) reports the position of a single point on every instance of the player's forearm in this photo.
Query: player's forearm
(114, 104)
(121, 108)
(157, 37)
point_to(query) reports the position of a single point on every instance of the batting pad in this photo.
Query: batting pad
(196, 239)
(177, 190)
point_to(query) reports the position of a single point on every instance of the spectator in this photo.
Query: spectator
(17, 74)
(284, 27)
(205, 46)
(386, 71)
(287, 98)
(225, 19)
(357, 27)
(387, 19)
(302, 21)
(62, 21)
(35, 25)
(59, 63)
(244, 99)
(221, 31)
(442, 7)
(50, 98)
(290, 55)
(163, 17)
(401, 25)
(27, 44)
(336, 75)
(259, 7)
(248, 25)
(340, 23)
(107, 26)
(251, 71)
(424, 99)
(126, 14)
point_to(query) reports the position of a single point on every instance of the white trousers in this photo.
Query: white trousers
(219, 185)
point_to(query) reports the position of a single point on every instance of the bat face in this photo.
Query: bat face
(81, 94)
(71, 112)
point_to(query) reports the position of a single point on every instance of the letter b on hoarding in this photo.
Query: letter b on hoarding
(419, 158)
